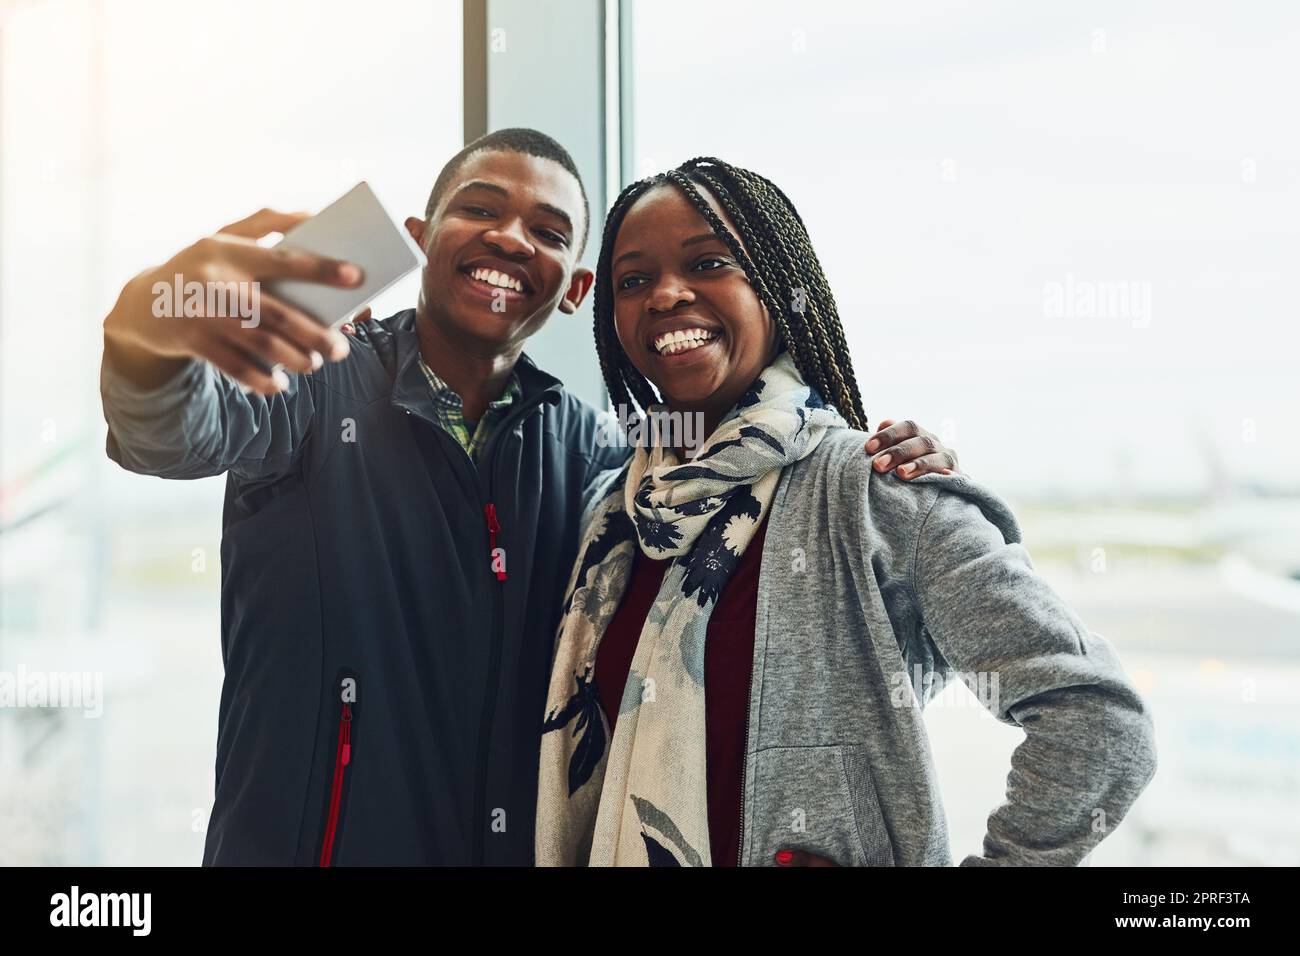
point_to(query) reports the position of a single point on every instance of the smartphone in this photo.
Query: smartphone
(356, 228)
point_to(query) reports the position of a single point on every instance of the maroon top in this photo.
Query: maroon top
(728, 660)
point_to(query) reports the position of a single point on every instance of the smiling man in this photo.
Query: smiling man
(399, 520)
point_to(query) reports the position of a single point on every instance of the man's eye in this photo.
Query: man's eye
(553, 236)
(478, 210)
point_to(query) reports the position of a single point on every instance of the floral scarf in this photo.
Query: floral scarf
(642, 800)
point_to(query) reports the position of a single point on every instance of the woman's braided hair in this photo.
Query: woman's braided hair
(784, 271)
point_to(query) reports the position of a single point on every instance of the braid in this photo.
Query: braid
(826, 354)
(781, 266)
(771, 265)
(622, 380)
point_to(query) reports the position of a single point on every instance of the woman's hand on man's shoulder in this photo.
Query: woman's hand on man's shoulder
(909, 450)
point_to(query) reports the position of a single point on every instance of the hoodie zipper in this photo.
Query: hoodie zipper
(744, 766)
(744, 761)
(342, 758)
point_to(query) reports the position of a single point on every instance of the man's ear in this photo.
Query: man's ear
(579, 285)
(417, 227)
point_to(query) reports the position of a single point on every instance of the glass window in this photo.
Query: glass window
(1062, 239)
(130, 130)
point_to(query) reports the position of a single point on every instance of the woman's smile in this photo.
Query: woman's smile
(681, 358)
(681, 340)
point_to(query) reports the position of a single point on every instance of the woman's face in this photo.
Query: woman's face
(672, 275)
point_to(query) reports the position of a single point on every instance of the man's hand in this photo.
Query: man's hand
(350, 328)
(149, 347)
(910, 450)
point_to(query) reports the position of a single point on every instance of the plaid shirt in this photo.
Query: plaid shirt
(450, 413)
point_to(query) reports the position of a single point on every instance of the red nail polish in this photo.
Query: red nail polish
(785, 857)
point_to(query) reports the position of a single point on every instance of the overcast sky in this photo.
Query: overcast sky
(958, 166)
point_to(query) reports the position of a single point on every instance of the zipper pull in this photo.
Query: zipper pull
(493, 527)
(347, 734)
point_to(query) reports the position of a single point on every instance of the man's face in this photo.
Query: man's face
(514, 215)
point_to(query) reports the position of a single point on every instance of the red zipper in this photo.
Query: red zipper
(493, 527)
(342, 757)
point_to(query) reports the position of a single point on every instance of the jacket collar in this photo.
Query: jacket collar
(398, 344)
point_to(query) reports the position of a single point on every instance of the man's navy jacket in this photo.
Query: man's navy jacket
(384, 677)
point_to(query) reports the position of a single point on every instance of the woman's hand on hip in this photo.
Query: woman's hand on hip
(801, 858)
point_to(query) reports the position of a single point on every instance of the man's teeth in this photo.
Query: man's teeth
(683, 340)
(500, 279)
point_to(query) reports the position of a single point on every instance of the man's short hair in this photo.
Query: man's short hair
(514, 140)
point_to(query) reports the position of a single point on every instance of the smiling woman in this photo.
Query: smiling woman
(737, 622)
(719, 279)
(685, 312)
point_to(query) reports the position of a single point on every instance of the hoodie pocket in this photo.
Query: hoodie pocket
(346, 697)
(873, 834)
(822, 800)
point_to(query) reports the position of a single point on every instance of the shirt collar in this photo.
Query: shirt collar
(444, 393)
(396, 338)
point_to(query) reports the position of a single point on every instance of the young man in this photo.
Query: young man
(399, 519)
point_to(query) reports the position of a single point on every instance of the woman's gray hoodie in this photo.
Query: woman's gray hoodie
(872, 590)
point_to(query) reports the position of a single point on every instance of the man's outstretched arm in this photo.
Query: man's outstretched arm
(169, 410)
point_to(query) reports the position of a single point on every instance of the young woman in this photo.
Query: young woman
(750, 632)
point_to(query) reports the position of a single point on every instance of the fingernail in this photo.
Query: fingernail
(349, 273)
(317, 360)
(882, 463)
(280, 379)
(907, 469)
(873, 444)
(784, 857)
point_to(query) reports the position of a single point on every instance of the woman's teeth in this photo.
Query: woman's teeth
(683, 340)
(499, 279)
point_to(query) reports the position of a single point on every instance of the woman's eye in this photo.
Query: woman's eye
(702, 262)
(624, 283)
